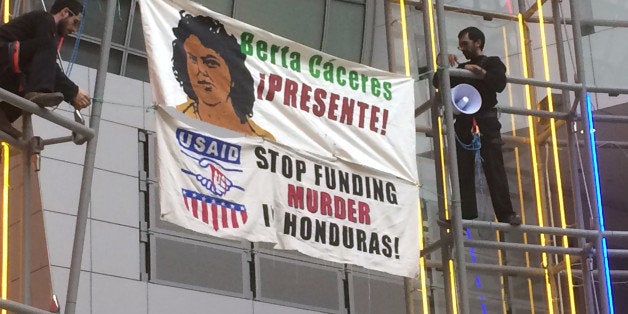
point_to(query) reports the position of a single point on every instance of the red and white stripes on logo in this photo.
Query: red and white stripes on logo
(215, 215)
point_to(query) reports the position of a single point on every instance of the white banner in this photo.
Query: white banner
(264, 139)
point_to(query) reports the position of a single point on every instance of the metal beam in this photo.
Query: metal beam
(57, 140)
(496, 270)
(433, 247)
(21, 144)
(522, 247)
(21, 308)
(53, 117)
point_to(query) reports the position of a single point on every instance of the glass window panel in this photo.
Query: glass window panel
(137, 33)
(345, 30)
(136, 67)
(95, 15)
(89, 55)
(36, 5)
(281, 17)
(492, 6)
(221, 6)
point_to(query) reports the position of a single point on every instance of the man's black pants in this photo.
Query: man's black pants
(493, 165)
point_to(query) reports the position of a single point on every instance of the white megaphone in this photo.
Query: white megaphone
(466, 99)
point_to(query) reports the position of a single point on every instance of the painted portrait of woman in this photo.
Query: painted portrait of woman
(208, 64)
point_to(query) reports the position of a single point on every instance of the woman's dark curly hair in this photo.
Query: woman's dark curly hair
(212, 34)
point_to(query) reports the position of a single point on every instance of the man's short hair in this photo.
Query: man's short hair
(474, 34)
(74, 6)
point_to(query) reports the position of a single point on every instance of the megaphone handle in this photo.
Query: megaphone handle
(475, 129)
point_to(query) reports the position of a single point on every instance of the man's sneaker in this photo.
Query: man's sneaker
(45, 99)
(513, 219)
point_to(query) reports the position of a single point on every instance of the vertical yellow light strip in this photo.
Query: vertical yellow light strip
(559, 187)
(430, 14)
(5, 221)
(404, 37)
(6, 15)
(452, 280)
(442, 167)
(533, 153)
(422, 272)
(406, 59)
(519, 180)
(501, 277)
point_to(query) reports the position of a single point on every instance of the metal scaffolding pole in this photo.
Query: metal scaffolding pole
(27, 131)
(389, 43)
(445, 91)
(88, 166)
(573, 154)
(438, 161)
(581, 78)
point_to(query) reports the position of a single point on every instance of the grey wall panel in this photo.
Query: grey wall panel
(122, 102)
(168, 300)
(59, 237)
(115, 250)
(149, 110)
(118, 295)
(268, 308)
(115, 198)
(290, 282)
(60, 183)
(117, 148)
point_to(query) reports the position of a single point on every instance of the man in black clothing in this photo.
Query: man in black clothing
(28, 49)
(492, 80)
